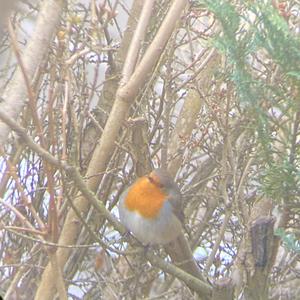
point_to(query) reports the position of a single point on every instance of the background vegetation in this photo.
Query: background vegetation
(96, 93)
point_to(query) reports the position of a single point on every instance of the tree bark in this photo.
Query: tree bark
(16, 92)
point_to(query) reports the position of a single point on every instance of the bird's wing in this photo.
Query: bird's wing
(176, 203)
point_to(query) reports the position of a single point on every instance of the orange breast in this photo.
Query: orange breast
(145, 198)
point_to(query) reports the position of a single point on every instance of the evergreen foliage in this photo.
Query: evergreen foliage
(252, 29)
(289, 240)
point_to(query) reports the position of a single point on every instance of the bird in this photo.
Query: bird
(152, 210)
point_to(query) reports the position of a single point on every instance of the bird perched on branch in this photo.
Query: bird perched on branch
(151, 208)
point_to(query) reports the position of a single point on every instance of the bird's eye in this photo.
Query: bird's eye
(155, 182)
(151, 179)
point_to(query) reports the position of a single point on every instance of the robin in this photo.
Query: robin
(151, 208)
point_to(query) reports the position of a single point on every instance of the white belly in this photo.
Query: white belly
(161, 230)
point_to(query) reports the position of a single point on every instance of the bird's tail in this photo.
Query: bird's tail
(181, 254)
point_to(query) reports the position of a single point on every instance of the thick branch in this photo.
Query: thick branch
(15, 94)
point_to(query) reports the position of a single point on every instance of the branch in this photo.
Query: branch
(137, 39)
(4, 117)
(15, 93)
(262, 239)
